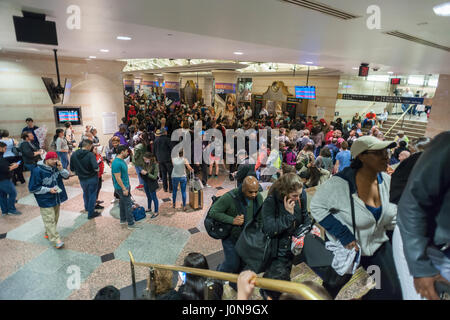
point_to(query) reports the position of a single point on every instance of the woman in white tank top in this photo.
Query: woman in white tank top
(179, 176)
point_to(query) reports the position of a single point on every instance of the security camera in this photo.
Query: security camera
(375, 69)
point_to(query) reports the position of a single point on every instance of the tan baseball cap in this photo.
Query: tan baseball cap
(366, 143)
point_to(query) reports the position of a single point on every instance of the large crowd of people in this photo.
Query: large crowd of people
(354, 176)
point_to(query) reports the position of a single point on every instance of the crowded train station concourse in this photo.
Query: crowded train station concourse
(228, 150)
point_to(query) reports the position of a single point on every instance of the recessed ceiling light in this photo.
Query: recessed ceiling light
(355, 68)
(442, 9)
(309, 62)
(390, 72)
(238, 52)
(104, 50)
(123, 38)
(92, 57)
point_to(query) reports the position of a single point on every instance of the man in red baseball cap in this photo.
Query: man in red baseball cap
(46, 183)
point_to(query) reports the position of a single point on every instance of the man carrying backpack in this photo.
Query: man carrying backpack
(237, 207)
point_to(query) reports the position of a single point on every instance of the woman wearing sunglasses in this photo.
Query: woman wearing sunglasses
(367, 184)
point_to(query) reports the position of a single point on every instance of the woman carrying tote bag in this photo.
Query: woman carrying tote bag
(367, 183)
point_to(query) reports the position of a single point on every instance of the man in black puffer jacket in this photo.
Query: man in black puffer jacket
(162, 148)
(85, 166)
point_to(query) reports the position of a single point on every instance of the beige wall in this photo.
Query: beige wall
(97, 87)
(439, 120)
(326, 90)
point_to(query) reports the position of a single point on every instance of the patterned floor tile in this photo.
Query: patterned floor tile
(176, 217)
(33, 231)
(48, 276)
(112, 273)
(98, 236)
(200, 242)
(16, 254)
(154, 244)
(11, 222)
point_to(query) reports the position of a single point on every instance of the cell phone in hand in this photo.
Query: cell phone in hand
(19, 162)
(182, 276)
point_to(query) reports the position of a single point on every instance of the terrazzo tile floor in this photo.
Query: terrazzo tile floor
(96, 251)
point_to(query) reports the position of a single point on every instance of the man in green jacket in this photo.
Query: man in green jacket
(236, 207)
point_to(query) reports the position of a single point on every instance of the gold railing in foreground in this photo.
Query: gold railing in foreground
(270, 284)
(401, 117)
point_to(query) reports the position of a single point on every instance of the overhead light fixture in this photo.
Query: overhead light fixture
(104, 50)
(355, 68)
(123, 38)
(442, 9)
(390, 72)
(92, 57)
(238, 52)
(309, 62)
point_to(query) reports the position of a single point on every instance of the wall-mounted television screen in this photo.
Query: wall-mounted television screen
(64, 114)
(395, 80)
(303, 92)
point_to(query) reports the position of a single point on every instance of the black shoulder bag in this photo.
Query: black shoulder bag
(255, 247)
(318, 258)
(216, 229)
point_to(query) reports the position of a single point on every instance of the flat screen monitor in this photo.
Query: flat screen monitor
(35, 30)
(67, 89)
(64, 114)
(51, 89)
(303, 92)
(395, 81)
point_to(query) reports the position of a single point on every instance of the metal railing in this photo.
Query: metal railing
(268, 284)
(402, 117)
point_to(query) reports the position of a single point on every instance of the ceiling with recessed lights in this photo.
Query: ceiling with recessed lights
(264, 31)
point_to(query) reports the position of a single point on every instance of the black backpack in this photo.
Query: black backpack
(216, 229)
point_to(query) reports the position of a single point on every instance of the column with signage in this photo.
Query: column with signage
(148, 83)
(128, 83)
(172, 86)
(225, 93)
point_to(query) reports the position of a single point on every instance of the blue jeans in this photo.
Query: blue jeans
(8, 195)
(138, 172)
(89, 187)
(125, 205)
(29, 167)
(151, 197)
(183, 182)
(232, 262)
(63, 157)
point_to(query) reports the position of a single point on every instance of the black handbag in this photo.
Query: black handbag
(255, 247)
(216, 229)
(319, 259)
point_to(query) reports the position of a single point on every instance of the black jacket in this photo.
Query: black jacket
(162, 148)
(84, 164)
(424, 208)
(399, 178)
(280, 224)
(28, 149)
(5, 174)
